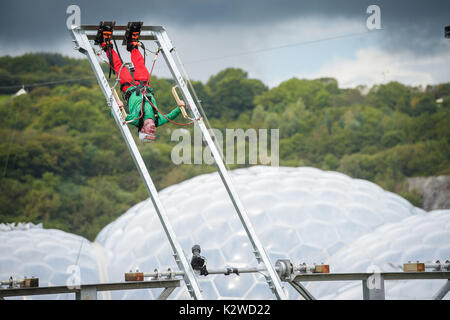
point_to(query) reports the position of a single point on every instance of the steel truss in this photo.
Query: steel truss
(89, 291)
(81, 36)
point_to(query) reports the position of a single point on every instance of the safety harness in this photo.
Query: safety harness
(142, 88)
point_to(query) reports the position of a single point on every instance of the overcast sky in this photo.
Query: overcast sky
(272, 40)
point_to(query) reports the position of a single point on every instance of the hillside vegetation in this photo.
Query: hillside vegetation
(64, 162)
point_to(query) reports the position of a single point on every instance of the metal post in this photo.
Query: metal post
(166, 293)
(373, 291)
(302, 290)
(442, 291)
(87, 293)
(84, 46)
(261, 255)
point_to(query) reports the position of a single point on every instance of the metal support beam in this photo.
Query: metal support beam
(442, 291)
(165, 44)
(364, 276)
(302, 290)
(14, 292)
(165, 293)
(85, 47)
(261, 256)
(86, 293)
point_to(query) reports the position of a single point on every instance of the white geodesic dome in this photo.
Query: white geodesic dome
(27, 250)
(418, 238)
(304, 214)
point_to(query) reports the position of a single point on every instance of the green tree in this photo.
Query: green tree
(393, 95)
(232, 93)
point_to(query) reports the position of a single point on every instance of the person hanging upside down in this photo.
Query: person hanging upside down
(138, 94)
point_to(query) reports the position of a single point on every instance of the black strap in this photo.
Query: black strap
(156, 115)
(141, 85)
(138, 89)
(117, 49)
(111, 60)
(141, 119)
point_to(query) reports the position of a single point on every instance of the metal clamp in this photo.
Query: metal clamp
(284, 268)
(157, 275)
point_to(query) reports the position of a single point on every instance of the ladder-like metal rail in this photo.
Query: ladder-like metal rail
(84, 46)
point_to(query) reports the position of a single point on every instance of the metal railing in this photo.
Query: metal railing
(89, 291)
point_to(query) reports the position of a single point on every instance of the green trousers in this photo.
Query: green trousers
(134, 107)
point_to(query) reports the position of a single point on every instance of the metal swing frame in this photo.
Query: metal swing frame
(81, 36)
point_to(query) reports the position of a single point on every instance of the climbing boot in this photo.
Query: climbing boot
(132, 35)
(104, 34)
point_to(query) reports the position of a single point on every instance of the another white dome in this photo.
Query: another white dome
(422, 238)
(27, 250)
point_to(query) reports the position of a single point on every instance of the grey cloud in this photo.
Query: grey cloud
(413, 25)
